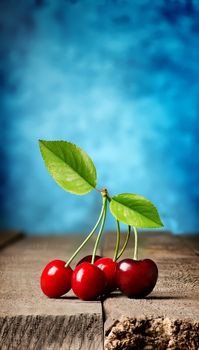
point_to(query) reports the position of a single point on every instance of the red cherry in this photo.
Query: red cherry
(56, 279)
(88, 258)
(135, 278)
(109, 267)
(88, 282)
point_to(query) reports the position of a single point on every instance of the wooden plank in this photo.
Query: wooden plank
(29, 320)
(9, 236)
(192, 240)
(169, 317)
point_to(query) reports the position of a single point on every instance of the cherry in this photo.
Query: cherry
(109, 267)
(88, 258)
(136, 278)
(88, 281)
(56, 279)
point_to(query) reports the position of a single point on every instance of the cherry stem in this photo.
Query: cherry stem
(88, 237)
(117, 241)
(104, 192)
(125, 243)
(136, 244)
(104, 206)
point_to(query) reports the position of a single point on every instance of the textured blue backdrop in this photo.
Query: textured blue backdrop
(119, 78)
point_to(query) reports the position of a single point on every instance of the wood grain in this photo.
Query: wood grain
(8, 237)
(28, 319)
(169, 317)
(83, 331)
(192, 240)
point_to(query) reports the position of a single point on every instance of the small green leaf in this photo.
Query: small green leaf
(135, 210)
(69, 166)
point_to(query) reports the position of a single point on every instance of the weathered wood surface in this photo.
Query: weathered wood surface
(29, 320)
(8, 237)
(169, 317)
(192, 241)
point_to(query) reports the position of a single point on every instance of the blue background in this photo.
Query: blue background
(120, 79)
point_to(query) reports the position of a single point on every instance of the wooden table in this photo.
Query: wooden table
(166, 319)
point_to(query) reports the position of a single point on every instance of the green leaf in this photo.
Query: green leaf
(135, 210)
(69, 166)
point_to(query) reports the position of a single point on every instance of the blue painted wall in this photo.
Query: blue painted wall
(120, 79)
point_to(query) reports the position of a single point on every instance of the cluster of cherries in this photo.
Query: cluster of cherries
(135, 278)
(95, 276)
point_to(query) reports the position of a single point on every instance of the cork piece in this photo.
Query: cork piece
(154, 333)
(169, 317)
